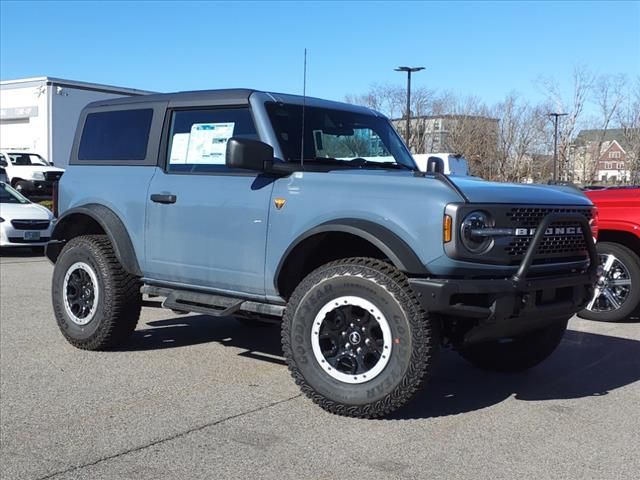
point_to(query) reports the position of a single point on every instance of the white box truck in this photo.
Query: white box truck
(40, 115)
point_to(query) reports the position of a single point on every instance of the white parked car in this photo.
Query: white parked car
(22, 222)
(453, 164)
(28, 172)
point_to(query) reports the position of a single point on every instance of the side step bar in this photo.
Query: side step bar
(208, 303)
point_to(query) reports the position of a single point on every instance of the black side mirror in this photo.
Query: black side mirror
(3, 163)
(249, 154)
(435, 165)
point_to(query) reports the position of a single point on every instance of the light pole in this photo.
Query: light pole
(555, 141)
(409, 71)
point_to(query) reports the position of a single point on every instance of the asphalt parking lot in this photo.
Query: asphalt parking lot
(192, 397)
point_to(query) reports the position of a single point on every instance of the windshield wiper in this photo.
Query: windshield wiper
(327, 160)
(361, 162)
(400, 166)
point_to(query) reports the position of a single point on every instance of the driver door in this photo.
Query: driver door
(206, 223)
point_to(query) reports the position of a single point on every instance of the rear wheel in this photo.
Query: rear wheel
(518, 353)
(96, 302)
(617, 291)
(356, 339)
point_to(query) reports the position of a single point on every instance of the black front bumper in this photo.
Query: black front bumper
(499, 299)
(44, 187)
(508, 306)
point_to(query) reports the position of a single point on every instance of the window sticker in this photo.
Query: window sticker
(179, 146)
(208, 142)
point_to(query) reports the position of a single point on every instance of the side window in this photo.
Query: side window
(116, 135)
(198, 138)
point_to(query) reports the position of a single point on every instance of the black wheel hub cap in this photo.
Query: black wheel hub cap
(351, 340)
(80, 293)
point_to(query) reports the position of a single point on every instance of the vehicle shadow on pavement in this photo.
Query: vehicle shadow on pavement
(21, 252)
(261, 342)
(584, 365)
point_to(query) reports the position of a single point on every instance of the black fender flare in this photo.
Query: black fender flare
(110, 223)
(395, 248)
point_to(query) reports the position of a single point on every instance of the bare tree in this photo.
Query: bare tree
(388, 99)
(471, 132)
(573, 107)
(520, 135)
(608, 95)
(510, 140)
(628, 117)
(392, 100)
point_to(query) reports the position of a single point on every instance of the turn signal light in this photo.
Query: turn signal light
(446, 228)
(593, 223)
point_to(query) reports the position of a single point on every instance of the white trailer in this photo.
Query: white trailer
(40, 114)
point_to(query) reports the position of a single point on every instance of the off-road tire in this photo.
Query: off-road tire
(631, 305)
(119, 302)
(414, 334)
(519, 353)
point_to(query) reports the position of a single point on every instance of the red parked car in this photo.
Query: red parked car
(617, 293)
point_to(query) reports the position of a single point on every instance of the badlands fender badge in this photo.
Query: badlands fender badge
(279, 202)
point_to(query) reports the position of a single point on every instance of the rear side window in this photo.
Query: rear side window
(116, 135)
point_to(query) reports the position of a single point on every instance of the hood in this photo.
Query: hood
(35, 168)
(480, 191)
(24, 211)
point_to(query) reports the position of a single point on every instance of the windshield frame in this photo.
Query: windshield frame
(379, 124)
(22, 200)
(10, 156)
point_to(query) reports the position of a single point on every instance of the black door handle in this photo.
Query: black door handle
(163, 198)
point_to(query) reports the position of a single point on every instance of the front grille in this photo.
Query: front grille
(549, 246)
(52, 176)
(570, 246)
(22, 240)
(530, 217)
(30, 224)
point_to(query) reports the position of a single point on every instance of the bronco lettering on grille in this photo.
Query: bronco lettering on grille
(525, 232)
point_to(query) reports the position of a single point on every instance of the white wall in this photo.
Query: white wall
(67, 103)
(24, 131)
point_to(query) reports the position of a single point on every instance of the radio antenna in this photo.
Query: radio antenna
(304, 103)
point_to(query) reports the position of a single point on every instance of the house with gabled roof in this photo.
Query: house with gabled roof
(600, 156)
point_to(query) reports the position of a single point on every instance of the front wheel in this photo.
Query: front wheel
(20, 186)
(617, 291)
(95, 301)
(516, 354)
(356, 339)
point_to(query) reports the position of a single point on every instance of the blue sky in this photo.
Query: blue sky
(487, 49)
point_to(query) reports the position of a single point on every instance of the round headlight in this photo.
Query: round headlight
(471, 232)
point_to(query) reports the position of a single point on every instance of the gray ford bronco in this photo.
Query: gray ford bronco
(312, 213)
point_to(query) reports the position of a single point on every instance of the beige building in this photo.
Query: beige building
(447, 133)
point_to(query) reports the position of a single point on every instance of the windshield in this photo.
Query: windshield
(9, 195)
(25, 159)
(337, 136)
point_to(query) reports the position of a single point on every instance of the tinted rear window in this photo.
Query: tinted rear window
(116, 135)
